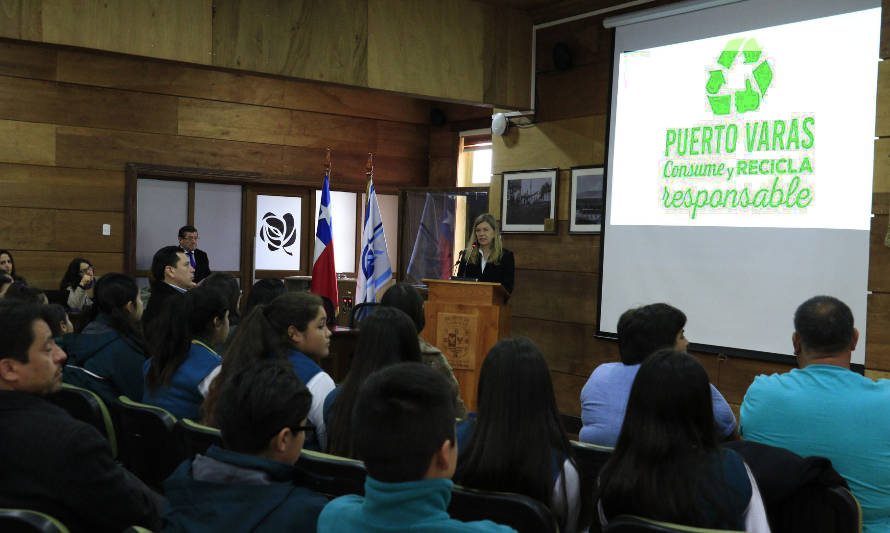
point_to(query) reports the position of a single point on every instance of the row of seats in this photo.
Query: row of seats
(151, 443)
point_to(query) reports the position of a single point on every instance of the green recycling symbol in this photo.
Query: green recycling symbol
(749, 98)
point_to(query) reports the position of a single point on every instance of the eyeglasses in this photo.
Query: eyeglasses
(85, 270)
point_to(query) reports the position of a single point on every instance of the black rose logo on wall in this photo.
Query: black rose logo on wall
(278, 233)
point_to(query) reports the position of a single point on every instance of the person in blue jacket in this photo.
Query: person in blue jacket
(293, 326)
(251, 483)
(108, 355)
(176, 376)
(404, 432)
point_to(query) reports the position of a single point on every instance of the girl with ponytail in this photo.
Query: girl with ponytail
(107, 356)
(293, 326)
(182, 351)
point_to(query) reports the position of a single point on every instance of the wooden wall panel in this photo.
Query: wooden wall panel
(563, 144)
(879, 256)
(27, 61)
(882, 119)
(569, 348)
(233, 122)
(60, 230)
(45, 269)
(577, 253)
(506, 56)
(21, 19)
(736, 375)
(427, 48)
(444, 145)
(567, 388)
(73, 105)
(556, 296)
(885, 28)
(60, 187)
(877, 374)
(325, 41)
(877, 338)
(560, 98)
(587, 39)
(27, 142)
(166, 29)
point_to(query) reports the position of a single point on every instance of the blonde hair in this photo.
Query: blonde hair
(473, 254)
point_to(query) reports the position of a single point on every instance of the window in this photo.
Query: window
(343, 223)
(474, 161)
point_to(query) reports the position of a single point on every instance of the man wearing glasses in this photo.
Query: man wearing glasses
(251, 483)
(188, 242)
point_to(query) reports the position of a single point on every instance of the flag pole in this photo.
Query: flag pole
(327, 162)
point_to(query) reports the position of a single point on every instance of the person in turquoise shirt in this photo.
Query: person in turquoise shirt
(825, 409)
(183, 358)
(404, 422)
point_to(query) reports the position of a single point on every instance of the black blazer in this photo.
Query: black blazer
(500, 273)
(202, 264)
(160, 293)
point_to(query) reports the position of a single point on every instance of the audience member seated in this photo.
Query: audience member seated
(404, 432)
(251, 483)
(7, 265)
(517, 442)
(6, 282)
(54, 463)
(108, 355)
(293, 327)
(21, 292)
(387, 337)
(641, 332)
(171, 275)
(825, 409)
(405, 297)
(59, 323)
(77, 284)
(178, 374)
(263, 292)
(667, 465)
(227, 284)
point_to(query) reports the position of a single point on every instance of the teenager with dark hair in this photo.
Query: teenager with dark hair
(250, 484)
(58, 321)
(171, 275)
(54, 463)
(7, 265)
(667, 465)
(404, 432)
(824, 408)
(517, 442)
(6, 282)
(641, 332)
(20, 291)
(292, 327)
(263, 292)
(77, 283)
(386, 337)
(108, 355)
(176, 376)
(405, 297)
(227, 284)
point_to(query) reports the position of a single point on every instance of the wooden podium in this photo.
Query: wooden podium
(465, 319)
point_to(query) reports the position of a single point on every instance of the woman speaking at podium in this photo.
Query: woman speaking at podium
(487, 259)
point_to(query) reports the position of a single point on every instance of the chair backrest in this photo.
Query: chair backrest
(86, 406)
(27, 521)
(136, 529)
(572, 424)
(522, 513)
(333, 475)
(148, 446)
(638, 524)
(815, 508)
(196, 438)
(849, 510)
(590, 459)
(361, 312)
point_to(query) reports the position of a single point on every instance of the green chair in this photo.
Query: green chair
(522, 513)
(849, 508)
(148, 445)
(136, 529)
(87, 406)
(27, 521)
(638, 524)
(333, 475)
(196, 438)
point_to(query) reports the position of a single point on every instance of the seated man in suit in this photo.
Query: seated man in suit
(251, 483)
(188, 243)
(404, 424)
(172, 274)
(825, 409)
(54, 463)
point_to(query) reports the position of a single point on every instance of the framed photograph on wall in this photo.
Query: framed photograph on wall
(528, 201)
(586, 200)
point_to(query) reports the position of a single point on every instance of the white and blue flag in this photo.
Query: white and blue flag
(374, 269)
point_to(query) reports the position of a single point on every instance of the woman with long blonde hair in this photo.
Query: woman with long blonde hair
(485, 258)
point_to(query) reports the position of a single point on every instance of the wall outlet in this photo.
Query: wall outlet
(106, 229)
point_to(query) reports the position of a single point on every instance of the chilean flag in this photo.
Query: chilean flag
(324, 275)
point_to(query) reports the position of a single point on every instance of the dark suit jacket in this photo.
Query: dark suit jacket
(160, 293)
(61, 466)
(501, 273)
(202, 265)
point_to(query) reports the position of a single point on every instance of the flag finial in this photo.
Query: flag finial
(327, 161)
(369, 169)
